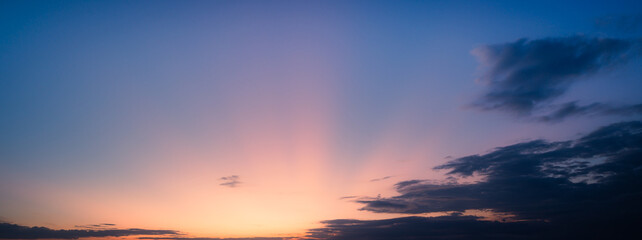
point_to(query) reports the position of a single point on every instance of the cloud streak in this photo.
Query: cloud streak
(97, 226)
(380, 179)
(573, 109)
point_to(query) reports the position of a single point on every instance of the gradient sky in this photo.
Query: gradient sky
(139, 113)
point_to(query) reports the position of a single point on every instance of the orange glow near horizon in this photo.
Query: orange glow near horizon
(279, 143)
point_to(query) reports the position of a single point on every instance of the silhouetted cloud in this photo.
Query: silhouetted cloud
(588, 187)
(534, 180)
(526, 75)
(230, 181)
(14, 231)
(447, 227)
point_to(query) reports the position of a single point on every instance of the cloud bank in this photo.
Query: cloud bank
(412, 228)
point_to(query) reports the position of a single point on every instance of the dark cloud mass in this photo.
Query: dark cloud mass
(14, 231)
(526, 75)
(447, 227)
(589, 187)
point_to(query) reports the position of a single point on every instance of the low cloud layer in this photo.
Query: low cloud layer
(527, 75)
(412, 228)
(14, 231)
(590, 186)
(182, 238)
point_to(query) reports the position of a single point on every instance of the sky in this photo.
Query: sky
(320, 119)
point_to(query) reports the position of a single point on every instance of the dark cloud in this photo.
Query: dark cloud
(14, 231)
(526, 75)
(230, 181)
(590, 186)
(534, 180)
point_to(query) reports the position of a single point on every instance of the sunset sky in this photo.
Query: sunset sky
(319, 119)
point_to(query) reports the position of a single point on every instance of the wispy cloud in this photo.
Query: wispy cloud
(571, 109)
(380, 179)
(527, 75)
(97, 226)
(230, 181)
(348, 197)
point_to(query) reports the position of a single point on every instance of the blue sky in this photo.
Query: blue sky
(114, 107)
